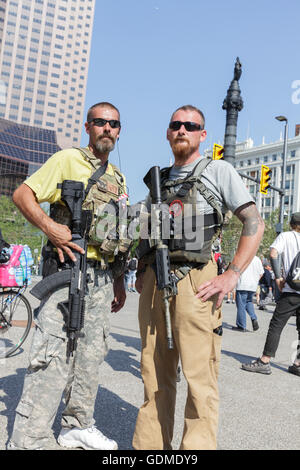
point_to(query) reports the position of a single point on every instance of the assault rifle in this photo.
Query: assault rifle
(73, 194)
(166, 281)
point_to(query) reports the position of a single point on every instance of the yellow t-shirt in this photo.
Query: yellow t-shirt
(68, 164)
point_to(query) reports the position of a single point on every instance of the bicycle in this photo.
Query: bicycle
(16, 319)
(15, 309)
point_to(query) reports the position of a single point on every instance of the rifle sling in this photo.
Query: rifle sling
(95, 177)
(92, 179)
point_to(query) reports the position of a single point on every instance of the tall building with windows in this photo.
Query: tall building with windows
(249, 159)
(44, 58)
(23, 149)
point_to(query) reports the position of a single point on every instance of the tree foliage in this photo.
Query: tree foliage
(233, 229)
(16, 229)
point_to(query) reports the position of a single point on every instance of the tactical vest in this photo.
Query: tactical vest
(101, 198)
(181, 249)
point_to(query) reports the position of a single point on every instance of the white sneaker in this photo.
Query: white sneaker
(88, 439)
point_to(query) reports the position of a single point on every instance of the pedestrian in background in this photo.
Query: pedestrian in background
(231, 295)
(245, 289)
(265, 285)
(286, 245)
(216, 249)
(130, 275)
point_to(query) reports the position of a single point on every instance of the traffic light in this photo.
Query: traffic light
(218, 151)
(265, 179)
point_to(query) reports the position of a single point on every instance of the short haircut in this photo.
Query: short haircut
(102, 104)
(190, 107)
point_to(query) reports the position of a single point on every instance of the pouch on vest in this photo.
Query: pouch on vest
(109, 230)
(106, 198)
(181, 246)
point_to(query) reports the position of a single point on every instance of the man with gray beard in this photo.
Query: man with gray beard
(50, 374)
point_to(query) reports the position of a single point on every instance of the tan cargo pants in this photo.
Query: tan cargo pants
(198, 348)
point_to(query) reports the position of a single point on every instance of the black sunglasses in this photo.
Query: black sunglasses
(189, 126)
(114, 123)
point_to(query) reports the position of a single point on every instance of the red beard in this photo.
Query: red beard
(181, 148)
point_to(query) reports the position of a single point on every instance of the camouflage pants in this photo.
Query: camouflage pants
(50, 376)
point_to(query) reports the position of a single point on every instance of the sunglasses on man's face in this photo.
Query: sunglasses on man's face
(189, 126)
(114, 123)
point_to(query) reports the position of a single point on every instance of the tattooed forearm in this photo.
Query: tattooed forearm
(249, 216)
(253, 229)
(234, 268)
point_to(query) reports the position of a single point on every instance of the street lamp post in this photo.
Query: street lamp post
(279, 226)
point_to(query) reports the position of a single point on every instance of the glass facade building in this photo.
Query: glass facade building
(23, 149)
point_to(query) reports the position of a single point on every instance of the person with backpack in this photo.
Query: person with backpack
(51, 373)
(286, 246)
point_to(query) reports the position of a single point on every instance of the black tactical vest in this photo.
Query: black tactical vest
(189, 242)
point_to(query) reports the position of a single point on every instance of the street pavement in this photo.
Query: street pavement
(256, 411)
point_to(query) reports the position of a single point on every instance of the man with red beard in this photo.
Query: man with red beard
(50, 373)
(211, 188)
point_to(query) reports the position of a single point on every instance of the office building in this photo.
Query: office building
(44, 58)
(23, 149)
(249, 159)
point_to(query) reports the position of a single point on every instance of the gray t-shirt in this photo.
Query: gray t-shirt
(222, 180)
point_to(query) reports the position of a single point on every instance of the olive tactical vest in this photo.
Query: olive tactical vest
(181, 250)
(101, 199)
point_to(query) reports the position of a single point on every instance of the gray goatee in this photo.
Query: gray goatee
(105, 144)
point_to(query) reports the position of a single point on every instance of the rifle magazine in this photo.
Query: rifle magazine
(51, 283)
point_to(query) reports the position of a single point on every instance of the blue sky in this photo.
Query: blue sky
(150, 56)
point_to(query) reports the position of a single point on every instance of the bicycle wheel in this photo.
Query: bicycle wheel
(15, 321)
